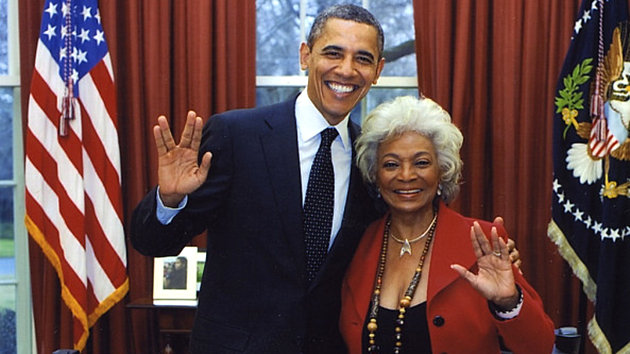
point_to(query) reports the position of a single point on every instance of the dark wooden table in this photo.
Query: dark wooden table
(171, 324)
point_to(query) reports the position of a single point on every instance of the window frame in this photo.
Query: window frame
(21, 281)
(384, 82)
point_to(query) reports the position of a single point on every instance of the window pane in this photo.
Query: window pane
(7, 319)
(277, 37)
(6, 133)
(377, 96)
(7, 249)
(278, 33)
(4, 43)
(270, 95)
(396, 18)
(313, 8)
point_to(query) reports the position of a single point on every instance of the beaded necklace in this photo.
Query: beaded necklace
(404, 302)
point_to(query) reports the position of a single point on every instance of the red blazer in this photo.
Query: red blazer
(458, 316)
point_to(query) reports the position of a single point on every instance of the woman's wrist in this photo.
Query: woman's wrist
(508, 303)
(510, 310)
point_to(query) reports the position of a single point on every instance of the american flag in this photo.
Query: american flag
(72, 167)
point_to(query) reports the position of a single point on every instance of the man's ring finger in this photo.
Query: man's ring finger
(497, 253)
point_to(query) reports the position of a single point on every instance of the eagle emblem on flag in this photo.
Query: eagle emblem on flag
(606, 135)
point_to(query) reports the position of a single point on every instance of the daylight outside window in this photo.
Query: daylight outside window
(283, 24)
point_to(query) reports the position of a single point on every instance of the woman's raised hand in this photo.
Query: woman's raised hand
(494, 280)
(178, 170)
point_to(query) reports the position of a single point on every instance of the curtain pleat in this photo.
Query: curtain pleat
(168, 57)
(494, 66)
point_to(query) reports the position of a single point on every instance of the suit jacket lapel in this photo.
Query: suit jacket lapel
(279, 146)
(347, 238)
(350, 217)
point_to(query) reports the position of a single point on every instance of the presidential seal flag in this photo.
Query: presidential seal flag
(591, 155)
(72, 165)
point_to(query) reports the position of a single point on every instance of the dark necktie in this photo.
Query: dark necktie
(319, 205)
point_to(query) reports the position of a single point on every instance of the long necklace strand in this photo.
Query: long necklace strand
(372, 325)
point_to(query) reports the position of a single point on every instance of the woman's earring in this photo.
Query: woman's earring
(439, 190)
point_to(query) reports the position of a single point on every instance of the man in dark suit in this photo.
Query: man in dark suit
(256, 296)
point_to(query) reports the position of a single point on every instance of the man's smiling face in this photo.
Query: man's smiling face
(342, 66)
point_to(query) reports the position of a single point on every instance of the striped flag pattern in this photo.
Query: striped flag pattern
(72, 166)
(601, 141)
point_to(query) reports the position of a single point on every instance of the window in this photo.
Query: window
(15, 293)
(283, 24)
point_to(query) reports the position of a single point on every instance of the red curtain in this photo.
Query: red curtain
(494, 65)
(168, 57)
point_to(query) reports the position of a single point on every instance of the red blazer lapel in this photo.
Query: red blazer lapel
(452, 246)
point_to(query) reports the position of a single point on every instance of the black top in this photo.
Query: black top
(415, 331)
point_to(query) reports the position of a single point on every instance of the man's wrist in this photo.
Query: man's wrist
(164, 213)
(170, 201)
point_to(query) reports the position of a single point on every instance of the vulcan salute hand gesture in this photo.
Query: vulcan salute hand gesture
(178, 171)
(495, 279)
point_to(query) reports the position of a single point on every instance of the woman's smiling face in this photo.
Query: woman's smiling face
(408, 173)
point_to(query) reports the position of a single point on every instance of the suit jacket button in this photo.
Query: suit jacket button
(438, 321)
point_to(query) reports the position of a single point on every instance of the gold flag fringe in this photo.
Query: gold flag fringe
(566, 251)
(87, 320)
(595, 333)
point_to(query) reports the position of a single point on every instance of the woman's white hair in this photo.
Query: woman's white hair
(420, 115)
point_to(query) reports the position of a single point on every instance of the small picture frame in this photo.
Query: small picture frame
(175, 278)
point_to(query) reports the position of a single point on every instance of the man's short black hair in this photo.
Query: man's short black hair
(345, 12)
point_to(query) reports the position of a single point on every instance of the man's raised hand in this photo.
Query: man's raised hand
(178, 171)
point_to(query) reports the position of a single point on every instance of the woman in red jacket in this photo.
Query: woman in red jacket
(415, 284)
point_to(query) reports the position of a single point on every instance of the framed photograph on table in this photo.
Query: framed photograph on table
(175, 278)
